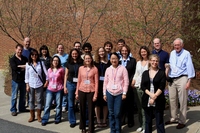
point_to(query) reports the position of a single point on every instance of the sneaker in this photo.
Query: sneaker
(63, 109)
(54, 110)
(72, 125)
(14, 113)
(143, 131)
(139, 129)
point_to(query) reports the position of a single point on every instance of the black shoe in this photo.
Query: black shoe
(14, 113)
(43, 124)
(180, 126)
(25, 110)
(72, 125)
(57, 122)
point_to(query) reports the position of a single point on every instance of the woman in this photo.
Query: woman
(54, 90)
(101, 62)
(87, 91)
(153, 100)
(114, 90)
(141, 66)
(34, 83)
(70, 81)
(46, 58)
(63, 58)
(128, 104)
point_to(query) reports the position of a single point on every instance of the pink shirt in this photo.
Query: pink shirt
(88, 80)
(116, 80)
(56, 79)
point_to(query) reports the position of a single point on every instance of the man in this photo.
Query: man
(87, 49)
(17, 63)
(108, 46)
(77, 45)
(27, 49)
(164, 56)
(121, 43)
(181, 70)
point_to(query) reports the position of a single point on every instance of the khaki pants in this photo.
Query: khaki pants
(177, 92)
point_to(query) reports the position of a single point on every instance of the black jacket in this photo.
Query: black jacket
(159, 82)
(18, 74)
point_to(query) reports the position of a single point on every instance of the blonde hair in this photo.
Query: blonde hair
(154, 56)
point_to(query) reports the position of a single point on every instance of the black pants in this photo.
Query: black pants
(86, 98)
(149, 111)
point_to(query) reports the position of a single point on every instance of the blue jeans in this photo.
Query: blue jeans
(71, 87)
(50, 96)
(21, 86)
(149, 111)
(64, 100)
(114, 108)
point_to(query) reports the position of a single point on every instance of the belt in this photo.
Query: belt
(179, 76)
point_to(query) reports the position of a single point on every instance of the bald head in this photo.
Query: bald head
(27, 42)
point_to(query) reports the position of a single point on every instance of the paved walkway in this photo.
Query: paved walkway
(193, 122)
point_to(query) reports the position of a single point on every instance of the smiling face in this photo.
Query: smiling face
(143, 53)
(18, 51)
(101, 53)
(74, 54)
(114, 60)
(34, 56)
(178, 45)
(27, 42)
(108, 48)
(60, 49)
(154, 61)
(44, 52)
(157, 44)
(55, 62)
(87, 60)
(77, 46)
(124, 52)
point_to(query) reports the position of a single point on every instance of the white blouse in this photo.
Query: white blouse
(138, 73)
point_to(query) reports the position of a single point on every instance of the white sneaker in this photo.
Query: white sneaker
(143, 131)
(54, 110)
(139, 129)
(63, 109)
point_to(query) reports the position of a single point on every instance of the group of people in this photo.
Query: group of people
(106, 84)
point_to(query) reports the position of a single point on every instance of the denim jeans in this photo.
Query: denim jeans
(149, 111)
(21, 86)
(71, 87)
(38, 94)
(50, 96)
(114, 108)
(64, 100)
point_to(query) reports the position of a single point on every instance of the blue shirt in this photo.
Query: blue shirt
(181, 64)
(63, 59)
(164, 58)
(26, 52)
(124, 62)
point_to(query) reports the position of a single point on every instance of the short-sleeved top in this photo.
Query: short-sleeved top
(164, 58)
(72, 70)
(63, 59)
(18, 74)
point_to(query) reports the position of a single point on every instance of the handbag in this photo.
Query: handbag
(43, 78)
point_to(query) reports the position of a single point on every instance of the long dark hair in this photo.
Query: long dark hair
(145, 48)
(59, 62)
(70, 59)
(30, 60)
(92, 62)
(44, 47)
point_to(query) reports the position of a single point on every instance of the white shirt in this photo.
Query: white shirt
(31, 77)
(138, 73)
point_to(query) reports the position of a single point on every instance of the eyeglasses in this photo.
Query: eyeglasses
(34, 54)
(55, 60)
